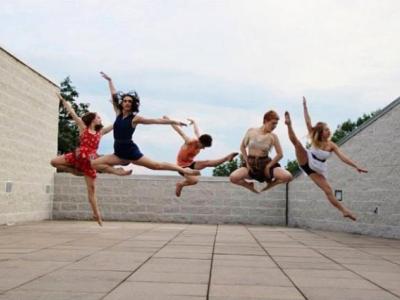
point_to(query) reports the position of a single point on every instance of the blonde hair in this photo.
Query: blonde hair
(316, 134)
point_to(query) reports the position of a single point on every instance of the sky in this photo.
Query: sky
(223, 63)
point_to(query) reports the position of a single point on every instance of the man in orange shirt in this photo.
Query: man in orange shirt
(188, 152)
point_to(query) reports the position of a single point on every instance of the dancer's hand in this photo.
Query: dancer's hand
(191, 121)
(360, 170)
(267, 171)
(304, 101)
(105, 76)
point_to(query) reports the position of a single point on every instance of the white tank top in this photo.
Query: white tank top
(317, 160)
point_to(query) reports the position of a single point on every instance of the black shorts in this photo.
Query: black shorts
(128, 151)
(306, 168)
(192, 165)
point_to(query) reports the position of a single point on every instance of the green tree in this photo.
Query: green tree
(68, 133)
(227, 168)
(292, 166)
(348, 126)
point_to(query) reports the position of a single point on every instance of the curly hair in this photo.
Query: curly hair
(118, 97)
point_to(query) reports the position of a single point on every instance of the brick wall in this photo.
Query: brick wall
(152, 198)
(28, 139)
(374, 197)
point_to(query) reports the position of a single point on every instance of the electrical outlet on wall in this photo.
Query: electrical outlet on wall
(8, 186)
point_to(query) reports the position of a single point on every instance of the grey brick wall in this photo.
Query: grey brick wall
(377, 147)
(152, 198)
(28, 139)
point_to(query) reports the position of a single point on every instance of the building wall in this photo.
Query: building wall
(28, 140)
(152, 198)
(374, 197)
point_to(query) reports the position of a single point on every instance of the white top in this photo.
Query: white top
(260, 142)
(317, 160)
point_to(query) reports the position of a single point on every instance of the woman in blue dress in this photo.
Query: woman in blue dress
(126, 107)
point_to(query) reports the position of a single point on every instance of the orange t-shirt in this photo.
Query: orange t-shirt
(187, 153)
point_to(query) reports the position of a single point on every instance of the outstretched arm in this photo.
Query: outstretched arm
(113, 92)
(106, 129)
(160, 121)
(307, 117)
(343, 157)
(195, 127)
(72, 113)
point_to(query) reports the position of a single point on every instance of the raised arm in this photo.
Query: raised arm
(195, 127)
(106, 129)
(343, 157)
(72, 113)
(113, 92)
(179, 131)
(307, 117)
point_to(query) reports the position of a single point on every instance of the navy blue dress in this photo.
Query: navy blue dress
(124, 147)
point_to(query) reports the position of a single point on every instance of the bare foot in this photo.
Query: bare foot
(191, 172)
(98, 220)
(350, 215)
(268, 186)
(252, 188)
(122, 172)
(178, 189)
(288, 121)
(232, 156)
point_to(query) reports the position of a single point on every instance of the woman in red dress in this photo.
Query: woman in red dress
(78, 162)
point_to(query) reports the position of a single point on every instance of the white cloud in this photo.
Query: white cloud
(245, 57)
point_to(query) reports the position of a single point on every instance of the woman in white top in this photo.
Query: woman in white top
(313, 161)
(255, 148)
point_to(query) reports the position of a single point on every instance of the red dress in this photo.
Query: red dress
(80, 158)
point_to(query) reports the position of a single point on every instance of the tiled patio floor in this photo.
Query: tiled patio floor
(79, 260)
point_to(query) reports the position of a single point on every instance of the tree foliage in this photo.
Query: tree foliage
(227, 168)
(68, 133)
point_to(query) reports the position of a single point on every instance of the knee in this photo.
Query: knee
(234, 179)
(193, 181)
(53, 162)
(94, 164)
(287, 178)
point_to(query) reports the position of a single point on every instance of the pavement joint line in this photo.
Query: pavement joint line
(212, 263)
(144, 262)
(277, 264)
(344, 267)
(71, 263)
(352, 247)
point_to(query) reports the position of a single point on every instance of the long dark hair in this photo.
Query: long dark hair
(88, 119)
(118, 97)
